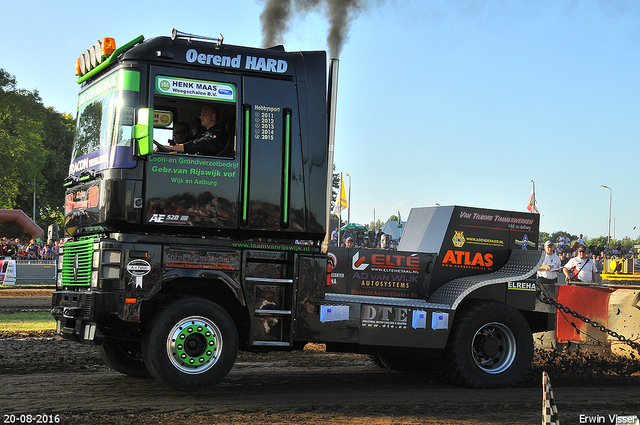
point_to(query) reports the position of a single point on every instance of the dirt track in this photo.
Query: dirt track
(56, 377)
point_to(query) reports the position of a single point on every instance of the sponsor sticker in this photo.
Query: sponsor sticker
(199, 89)
(138, 269)
(167, 218)
(522, 286)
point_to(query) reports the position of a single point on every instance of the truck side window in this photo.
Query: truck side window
(207, 129)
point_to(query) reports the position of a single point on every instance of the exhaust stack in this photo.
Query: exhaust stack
(332, 102)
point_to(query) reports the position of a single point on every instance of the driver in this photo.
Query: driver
(212, 142)
(180, 133)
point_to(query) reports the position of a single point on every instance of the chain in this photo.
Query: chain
(548, 300)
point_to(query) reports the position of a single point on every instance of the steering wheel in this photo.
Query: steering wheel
(160, 147)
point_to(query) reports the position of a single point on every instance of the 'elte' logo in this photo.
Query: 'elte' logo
(357, 262)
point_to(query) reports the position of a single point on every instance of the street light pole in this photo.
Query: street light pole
(610, 198)
(349, 201)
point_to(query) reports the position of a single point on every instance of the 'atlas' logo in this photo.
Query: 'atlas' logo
(464, 258)
(357, 262)
(458, 239)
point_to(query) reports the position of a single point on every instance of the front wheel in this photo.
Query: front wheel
(490, 346)
(123, 356)
(191, 344)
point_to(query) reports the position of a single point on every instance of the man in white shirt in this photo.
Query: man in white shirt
(586, 268)
(548, 272)
(334, 237)
(562, 242)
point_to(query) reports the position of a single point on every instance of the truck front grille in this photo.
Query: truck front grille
(76, 263)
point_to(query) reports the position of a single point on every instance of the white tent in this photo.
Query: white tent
(391, 228)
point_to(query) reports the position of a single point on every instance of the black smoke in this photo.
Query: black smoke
(277, 14)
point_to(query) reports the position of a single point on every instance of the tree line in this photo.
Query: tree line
(36, 145)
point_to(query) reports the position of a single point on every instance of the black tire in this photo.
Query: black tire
(123, 356)
(398, 363)
(429, 366)
(381, 361)
(209, 349)
(490, 346)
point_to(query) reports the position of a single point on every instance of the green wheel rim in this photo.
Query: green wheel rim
(194, 345)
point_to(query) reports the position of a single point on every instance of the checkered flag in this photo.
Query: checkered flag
(549, 410)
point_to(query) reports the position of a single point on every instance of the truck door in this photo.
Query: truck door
(273, 197)
(193, 190)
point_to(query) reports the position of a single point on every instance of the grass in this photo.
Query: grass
(27, 322)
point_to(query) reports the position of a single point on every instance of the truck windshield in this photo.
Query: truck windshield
(103, 125)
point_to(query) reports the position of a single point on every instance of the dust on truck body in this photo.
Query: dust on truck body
(175, 262)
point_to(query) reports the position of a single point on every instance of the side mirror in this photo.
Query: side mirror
(143, 132)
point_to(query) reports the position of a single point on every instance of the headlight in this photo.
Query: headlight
(110, 272)
(94, 278)
(111, 257)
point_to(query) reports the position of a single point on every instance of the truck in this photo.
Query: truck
(174, 262)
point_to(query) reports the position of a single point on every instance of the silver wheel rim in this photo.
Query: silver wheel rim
(493, 348)
(194, 345)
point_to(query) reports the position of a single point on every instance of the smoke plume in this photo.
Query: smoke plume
(277, 14)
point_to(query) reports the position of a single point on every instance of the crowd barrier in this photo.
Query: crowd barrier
(16, 271)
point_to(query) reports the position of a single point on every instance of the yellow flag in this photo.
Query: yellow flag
(341, 201)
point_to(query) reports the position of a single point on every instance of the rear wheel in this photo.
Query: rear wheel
(191, 344)
(123, 356)
(490, 346)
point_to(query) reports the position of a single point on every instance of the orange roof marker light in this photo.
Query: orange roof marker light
(94, 55)
(108, 46)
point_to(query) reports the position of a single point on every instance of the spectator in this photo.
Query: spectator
(349, 242)
(598, 262)
(562, 242)
(359, 238)
(582, 266)
(334, 237)
(548, 273)
(378, 238)
(32, 250)
(372, 236)
(10, 249)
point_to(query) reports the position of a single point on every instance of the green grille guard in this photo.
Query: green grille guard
(76, 262)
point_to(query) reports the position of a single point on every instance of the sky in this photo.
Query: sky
(440, 102)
